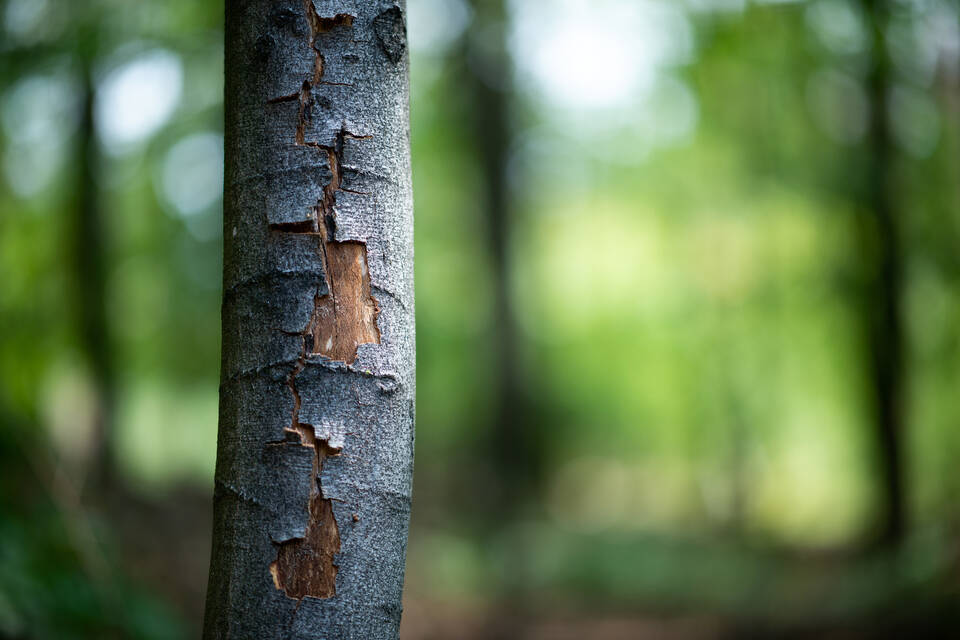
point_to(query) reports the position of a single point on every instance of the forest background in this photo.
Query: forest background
(688, 317)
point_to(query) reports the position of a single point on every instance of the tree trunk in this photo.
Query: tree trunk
(884, 290)
(88, 250)
(315, 448)
(517, 468)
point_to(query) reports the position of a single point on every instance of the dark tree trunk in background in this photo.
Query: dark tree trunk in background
(510, 447)
(88, 249)
(883, 262)
(516, 466)
(315, 450)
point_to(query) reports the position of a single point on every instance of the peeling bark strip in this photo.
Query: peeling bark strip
(342, 320)
(346, 317)
(304, 566)
(315, 448)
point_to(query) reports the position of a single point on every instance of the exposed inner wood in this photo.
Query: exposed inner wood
(347, 316)
(304, 566)
(344, 318)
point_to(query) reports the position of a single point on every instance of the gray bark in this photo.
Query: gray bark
(315, 448)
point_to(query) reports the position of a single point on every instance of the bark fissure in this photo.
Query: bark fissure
(305, 566)
(342, 319)
(316, 432)
(346, 316)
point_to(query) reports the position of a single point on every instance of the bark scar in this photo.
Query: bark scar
(343, 318)
(305, 566)
(346, 316)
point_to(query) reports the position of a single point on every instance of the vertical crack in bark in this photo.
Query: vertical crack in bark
(320, 25)
(342, 319)
(305, 566)
(347, 316)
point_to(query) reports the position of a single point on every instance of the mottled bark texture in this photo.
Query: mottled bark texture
(315, 450)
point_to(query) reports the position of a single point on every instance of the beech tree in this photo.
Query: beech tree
(315, 448)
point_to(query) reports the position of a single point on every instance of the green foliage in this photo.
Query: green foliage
(682, 268)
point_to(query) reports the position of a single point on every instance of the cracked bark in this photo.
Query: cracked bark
(315, 447)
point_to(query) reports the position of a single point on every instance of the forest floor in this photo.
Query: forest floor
(165, 546)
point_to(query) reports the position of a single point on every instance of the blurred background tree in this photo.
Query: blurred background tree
(688, 317)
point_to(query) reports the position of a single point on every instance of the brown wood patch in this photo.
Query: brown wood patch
(347, 316)
(304, 566)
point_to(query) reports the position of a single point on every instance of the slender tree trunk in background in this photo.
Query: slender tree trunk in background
(510, 446)
(315, 450)
(88, 248)
(884, 290)
(517, 466)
